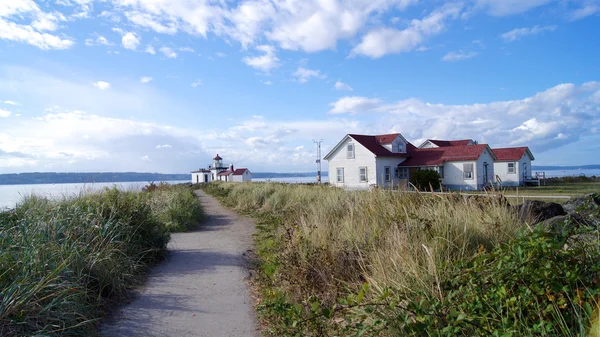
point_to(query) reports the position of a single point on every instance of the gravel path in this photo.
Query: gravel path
(200, 290)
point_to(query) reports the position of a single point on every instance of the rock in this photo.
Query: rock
(586, 207)
(534, 211)
(555, 223)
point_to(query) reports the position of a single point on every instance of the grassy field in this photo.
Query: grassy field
(65, 263)
(388, 263)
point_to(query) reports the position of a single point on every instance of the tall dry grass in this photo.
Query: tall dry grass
(334, 239)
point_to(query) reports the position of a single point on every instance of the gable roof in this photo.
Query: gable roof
(439, 155)
(512, 153)
(225, 173)
(240, 171)
(444, 143)
(373, 143)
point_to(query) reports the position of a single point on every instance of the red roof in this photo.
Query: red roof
(373, 144)
(445, 143)
(240, 171)
(224, 173)
(217, 157)
(438, 155)
(386, 139)
(510, 153)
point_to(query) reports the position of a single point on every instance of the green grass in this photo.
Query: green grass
(65, 263)
(388, 263)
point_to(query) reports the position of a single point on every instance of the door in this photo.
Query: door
(206, 178)
(524, 171)
(485, 173)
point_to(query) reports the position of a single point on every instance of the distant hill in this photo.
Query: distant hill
(106, 177)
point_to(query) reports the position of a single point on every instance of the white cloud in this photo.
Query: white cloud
(354, 104)
(145, 79)
(10, 102)
(130, 41)
(168, 52)
(266, 62)
(267, 83)
(27, 34)
(303, 75)
(164, 146)
(510, 7)
(341, 86)
(550, 118)
(99, 40)
(382, 41)
(102, 85)
(145, 158)
(196, 83)
(219, 54)
(4, 113)
(585, 11)
(187, 49)
(147, 20)
(518, 33)
(150, 50)
(454, 56)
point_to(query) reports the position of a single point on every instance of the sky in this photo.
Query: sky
(164, 85)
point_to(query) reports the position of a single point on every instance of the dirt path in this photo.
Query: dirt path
(200, 290)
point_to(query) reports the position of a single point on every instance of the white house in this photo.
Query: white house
(360, 161)
(201, 176)
(217, 171)
(513, 165)
(461, 167)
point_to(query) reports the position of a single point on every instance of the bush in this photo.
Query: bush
(425, 180)
(177, 207)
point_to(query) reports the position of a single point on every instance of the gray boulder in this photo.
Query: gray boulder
(534, 211)
(585, 207)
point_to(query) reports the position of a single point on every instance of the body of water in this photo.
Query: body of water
(10, 195)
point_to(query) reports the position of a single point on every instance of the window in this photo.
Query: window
(403, 173)
(340, 174)
(387, 173)
(512, 168)
(350, 151)
(441, 171)
(468, 171)
(400, 148)
(362, 174)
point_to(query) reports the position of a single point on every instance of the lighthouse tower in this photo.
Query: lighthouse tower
(217, 166)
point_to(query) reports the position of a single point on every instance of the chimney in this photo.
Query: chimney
(231, 167)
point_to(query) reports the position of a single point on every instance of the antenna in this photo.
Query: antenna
(318, 161)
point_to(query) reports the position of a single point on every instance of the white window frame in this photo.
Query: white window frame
(468, 175)
(363, 178)
(440, 171)
(387, 174)
(337, 173)
(350, 151)
(514, 168)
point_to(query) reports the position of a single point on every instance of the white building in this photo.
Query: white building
(361, 161)
(513, 166)
(217, 171)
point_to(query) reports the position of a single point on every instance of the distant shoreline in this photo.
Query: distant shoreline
(30, 178)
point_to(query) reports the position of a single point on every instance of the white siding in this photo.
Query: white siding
(362, 158)
(247, 176)
(513, 179)
(381, 163)
(486, 157)
(198, 177)
(428, 145)
(454, 176)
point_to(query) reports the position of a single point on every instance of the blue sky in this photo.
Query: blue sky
(162, 86)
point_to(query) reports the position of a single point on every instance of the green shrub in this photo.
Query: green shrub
(177, 207)
(425, 180)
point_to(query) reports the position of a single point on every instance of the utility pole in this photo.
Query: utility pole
(318, 142)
